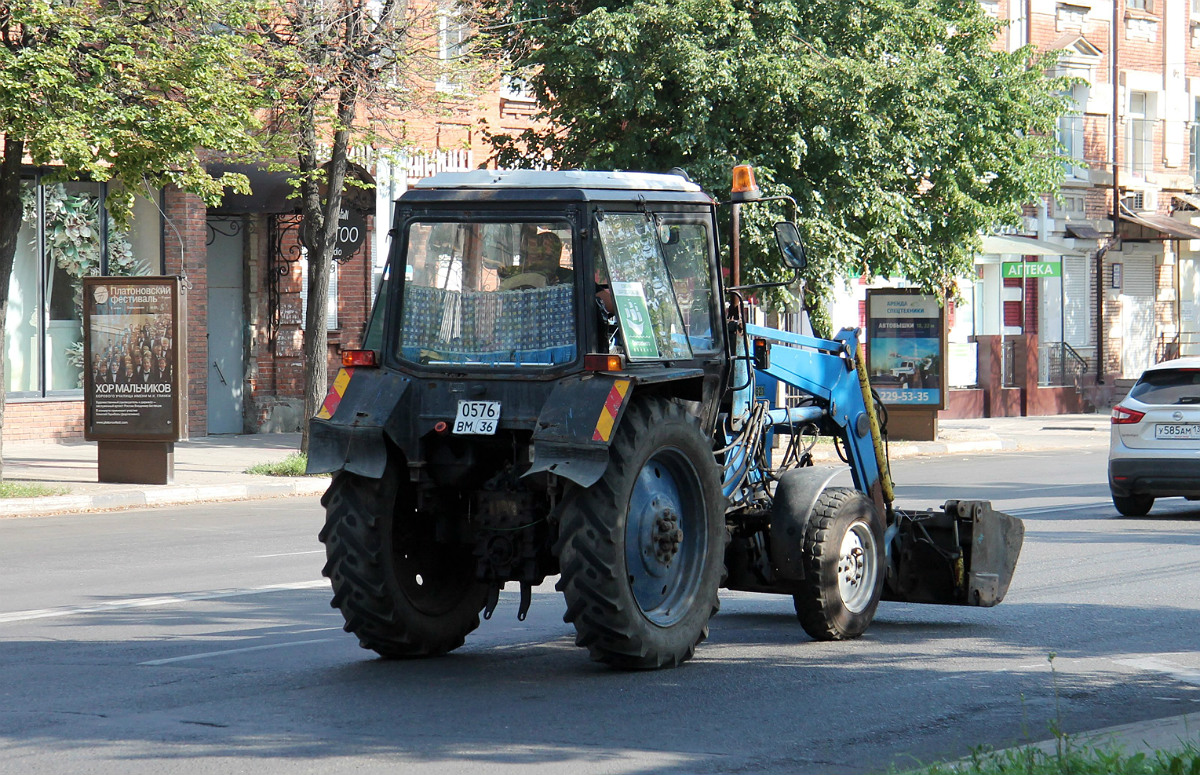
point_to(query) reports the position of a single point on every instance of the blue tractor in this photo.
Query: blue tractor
(555, 381)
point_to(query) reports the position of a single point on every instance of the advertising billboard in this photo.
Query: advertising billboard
(134, 359)
(906, 345)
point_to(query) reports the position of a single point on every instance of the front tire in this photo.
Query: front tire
(642, 550)
(1136, 505)
(403, 593)
(843, 566)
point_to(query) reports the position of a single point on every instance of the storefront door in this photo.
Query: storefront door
(226, 322)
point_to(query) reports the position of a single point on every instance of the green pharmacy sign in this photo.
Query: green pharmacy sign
(1032, 269)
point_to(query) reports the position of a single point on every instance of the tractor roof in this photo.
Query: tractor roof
(570, 179)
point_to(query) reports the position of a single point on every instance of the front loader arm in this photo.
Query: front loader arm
(827, 370)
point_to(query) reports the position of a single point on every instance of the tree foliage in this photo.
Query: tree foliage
(899, 128)
(128, 93)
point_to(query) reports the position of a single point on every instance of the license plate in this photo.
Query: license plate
(1177, 431)
(477, 417)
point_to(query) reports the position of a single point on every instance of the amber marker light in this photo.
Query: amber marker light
(603, 362)
(745, 189)
(358, 358)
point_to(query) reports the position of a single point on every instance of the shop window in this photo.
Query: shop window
(66, 234)
(331, 305)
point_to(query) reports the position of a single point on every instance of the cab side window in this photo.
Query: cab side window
(686, 247)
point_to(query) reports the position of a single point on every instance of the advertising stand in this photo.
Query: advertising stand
(906, 348)
(134, 370)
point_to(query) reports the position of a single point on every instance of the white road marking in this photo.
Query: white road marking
(288, 554)
(247, 649)
(151, 602)
(1156, 665)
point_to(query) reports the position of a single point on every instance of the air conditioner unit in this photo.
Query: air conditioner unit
(1137, 201)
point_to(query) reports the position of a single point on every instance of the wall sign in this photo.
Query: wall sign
(1031, 269)
(1116, 277)
(134, 343)
(906, 345)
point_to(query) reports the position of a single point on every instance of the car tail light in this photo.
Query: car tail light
(1125, 416)
(356, 358)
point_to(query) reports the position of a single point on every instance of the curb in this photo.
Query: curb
(167, 496)
(1165, 734)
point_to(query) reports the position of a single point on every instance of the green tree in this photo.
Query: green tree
(899, 128)
(350, 73)
(127, 93)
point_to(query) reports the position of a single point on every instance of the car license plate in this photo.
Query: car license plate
(1177, 431)
(477, 417)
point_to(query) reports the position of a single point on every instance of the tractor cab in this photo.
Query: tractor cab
(529, 273)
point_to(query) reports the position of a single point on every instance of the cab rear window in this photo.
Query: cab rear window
(1168, 386)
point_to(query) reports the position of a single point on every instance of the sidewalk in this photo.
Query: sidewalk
(211, 468)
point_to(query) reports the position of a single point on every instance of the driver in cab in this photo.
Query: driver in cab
(541, 263)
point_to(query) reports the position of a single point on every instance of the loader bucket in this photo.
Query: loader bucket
(962, 555)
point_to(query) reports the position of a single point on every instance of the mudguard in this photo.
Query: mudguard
(575, 427)
(795, 496)
(348, 433)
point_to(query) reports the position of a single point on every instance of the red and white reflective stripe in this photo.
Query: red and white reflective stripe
(336, 391)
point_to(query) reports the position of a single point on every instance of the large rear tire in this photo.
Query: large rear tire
(843, 566)
(642, 550)
(402, 592)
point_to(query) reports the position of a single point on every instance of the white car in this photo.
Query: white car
(1155, 446)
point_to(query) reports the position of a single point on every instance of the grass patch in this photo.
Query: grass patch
(292, 465)
(1068, 760)
(28, 490)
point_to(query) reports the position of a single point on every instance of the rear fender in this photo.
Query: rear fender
(348, 433)
(795, 496)
(576, 426)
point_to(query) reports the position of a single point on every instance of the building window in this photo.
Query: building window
(453, 33)
(1194, 143)
(1141, 5)
(331, 298)
(1070, 138)
(1139, 135)
(66, 235)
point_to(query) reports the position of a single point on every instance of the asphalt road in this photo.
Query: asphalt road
(200, 639)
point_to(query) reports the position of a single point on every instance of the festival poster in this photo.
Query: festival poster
(134, 362)
(905, 350)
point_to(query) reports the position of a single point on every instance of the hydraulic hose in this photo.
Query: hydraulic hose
(885, 474)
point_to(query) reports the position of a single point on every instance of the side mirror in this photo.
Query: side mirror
(790, 246)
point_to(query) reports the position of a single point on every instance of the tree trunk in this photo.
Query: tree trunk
(320, 229)
(10, 228)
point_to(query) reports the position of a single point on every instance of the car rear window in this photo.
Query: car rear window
(1168, 386)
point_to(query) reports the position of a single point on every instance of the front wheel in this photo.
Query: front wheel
(642, 550)
(400, 590)
(843, 566)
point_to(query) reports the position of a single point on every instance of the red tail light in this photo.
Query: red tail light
(356, 358)
(1124, 416)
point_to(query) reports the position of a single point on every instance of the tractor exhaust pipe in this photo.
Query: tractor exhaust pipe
(962, 555)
